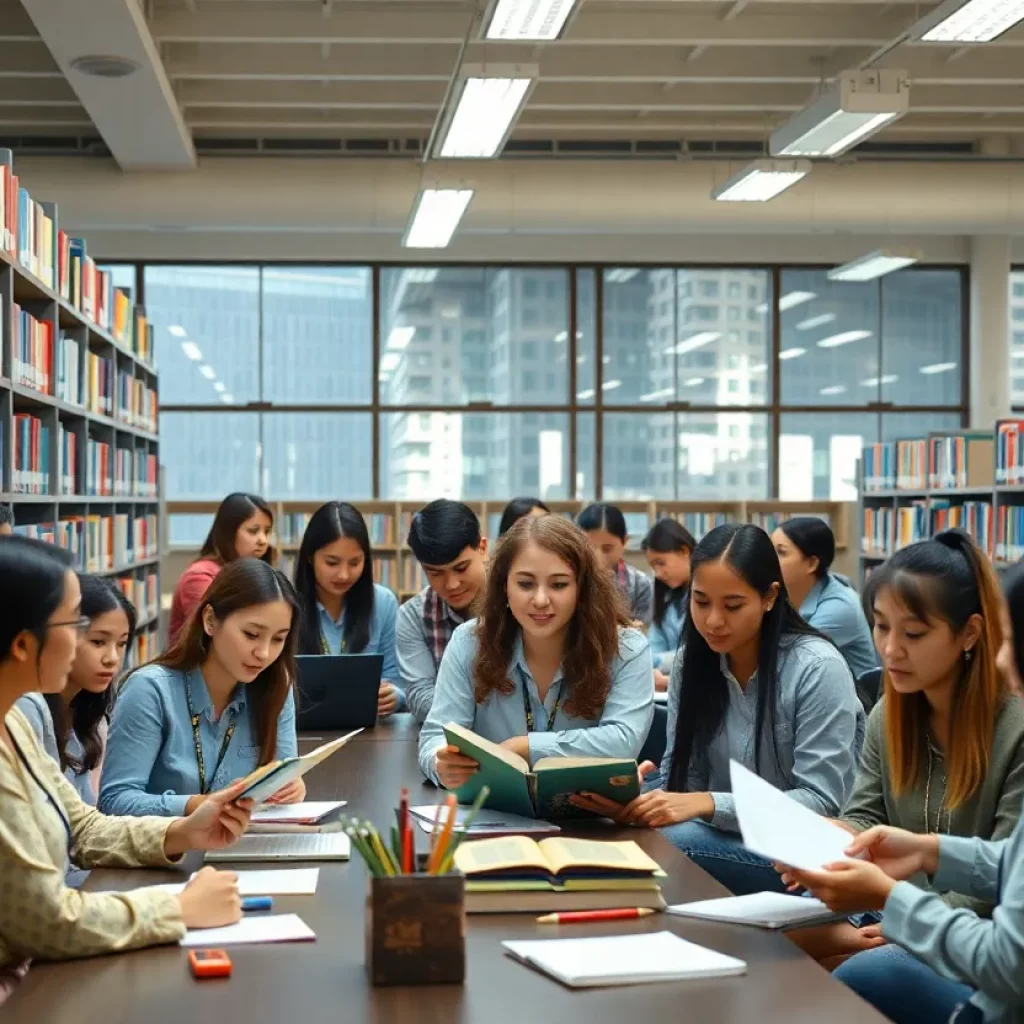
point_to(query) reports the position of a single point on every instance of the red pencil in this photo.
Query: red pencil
(581, 916)
(403, 832)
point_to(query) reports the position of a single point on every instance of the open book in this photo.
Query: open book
(545, 791)
(269, 778)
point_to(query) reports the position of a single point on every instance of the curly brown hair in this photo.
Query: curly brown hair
(593, 637)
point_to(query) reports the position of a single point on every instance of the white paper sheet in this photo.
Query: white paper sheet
(270, 928)
(286, 882)
(304, 846)
(777, 827)
(762, 909)
(301, 814)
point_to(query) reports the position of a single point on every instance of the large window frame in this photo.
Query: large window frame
(573, 407)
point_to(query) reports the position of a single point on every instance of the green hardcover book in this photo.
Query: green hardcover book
(545, 791)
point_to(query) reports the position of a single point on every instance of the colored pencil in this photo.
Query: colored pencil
(435, 832)
(446, 834)
(583, 916)
(403, 832)
(449, 858)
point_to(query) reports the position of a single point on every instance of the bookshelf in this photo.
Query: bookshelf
(915, 487)
(79, 448)
(395, 566)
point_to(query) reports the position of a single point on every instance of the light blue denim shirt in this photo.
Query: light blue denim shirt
(665, 637)
(151, 767)
(987, 955)
(382, 635)
(819, 728)
(34, 707)
(835, 609)
(619, 732)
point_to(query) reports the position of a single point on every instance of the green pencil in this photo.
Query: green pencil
(449, 858)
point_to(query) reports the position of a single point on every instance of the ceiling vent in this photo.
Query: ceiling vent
(99, 66)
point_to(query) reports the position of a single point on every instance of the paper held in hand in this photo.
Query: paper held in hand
(268, 779)
(777, 827)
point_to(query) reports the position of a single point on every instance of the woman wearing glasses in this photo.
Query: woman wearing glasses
(43, 819)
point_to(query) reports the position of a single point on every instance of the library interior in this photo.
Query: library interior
(612, 409)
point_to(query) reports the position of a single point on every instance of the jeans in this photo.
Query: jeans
(902, 988)
(723, 856)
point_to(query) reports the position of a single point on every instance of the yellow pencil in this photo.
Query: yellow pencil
(437, 857)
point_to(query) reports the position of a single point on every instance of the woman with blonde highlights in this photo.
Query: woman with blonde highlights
(550, 667)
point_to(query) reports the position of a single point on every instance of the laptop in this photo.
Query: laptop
(338, 691)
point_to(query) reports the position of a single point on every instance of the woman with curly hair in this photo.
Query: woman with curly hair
(550, 668)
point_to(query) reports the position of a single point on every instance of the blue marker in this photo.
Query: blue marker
(257, 903)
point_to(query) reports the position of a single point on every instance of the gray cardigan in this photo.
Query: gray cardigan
(991, 813)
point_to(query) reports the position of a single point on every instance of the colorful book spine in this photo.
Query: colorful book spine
(37, 531)
(69, 378)
(67, 450)
(98, 469)
(384, 572)
(99, 384)
(1009, 453)
(31, 350)
(879, 466)
(975, 517)
(911, 523)
(31, 469)
(877, 530)
(911, 465)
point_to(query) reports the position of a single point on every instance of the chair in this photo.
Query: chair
(654, 745)
(869, 687)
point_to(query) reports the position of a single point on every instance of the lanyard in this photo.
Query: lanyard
(197, 740)
(61, 813)
(325, 647)
(529, 711)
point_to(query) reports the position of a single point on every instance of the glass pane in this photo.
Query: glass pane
(123, 276)
(317, 456)
(899, 425)
(829, 346)
(819, 452)
(471, 334)
(1017, 338)
(722, 455)
(206, 455)
(318, 317)
(638, 456)
(586, 457)
(586, 335)
(208, 330)
(188, 531)
(922, 337)
(639, 321)
(474, 455)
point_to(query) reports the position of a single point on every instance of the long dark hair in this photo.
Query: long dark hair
(329, 523)
(704, 692)
(244, 583)
(234, 510)
(1013, 591)
(603, 517)
(515, 510)
(33, 588)
(667, 536)
(813, 538)
(88, 710)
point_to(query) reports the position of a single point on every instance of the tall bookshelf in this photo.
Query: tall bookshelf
(79, 446)
(388, 524)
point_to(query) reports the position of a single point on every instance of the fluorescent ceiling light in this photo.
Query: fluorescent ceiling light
(435, 217)
(692, 382)
(191, 349)
(620, 275)
(874, 264)
(697, 341)
(219, 387)
(976, 21)
(611, 385)
(208, 372)
(843, 338)
(815, 321)
(177, 330)
(857, 105)
(761, 180)
(654, 396)
(489, 101)
(561, 336)
(792, 353)
(528, 19)
(835, 389)
(938, 368)
(759, 367)
(389, 362)
(873, 382)
(400, 337)
(421, 275)
(583, 395)
(788, 301)
(227, 399)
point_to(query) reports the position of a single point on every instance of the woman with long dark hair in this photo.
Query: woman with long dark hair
(241, 528)
(213, 708)
(605, 527)
(668, 548)
(756, 684)
(342, 610)
(72, 724)
(516, 509)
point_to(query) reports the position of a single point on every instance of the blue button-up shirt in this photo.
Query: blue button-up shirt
(835, 609)
(619, 732)
(34, 707)
(664, 636)
(819, 729)
(382, 635)
(150, 765)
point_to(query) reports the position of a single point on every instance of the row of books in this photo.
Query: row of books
(69, 377)
(31, 469)
(99, 384)
(960, 460)
(143, 592)
(67, 450)
(31, 350)
(291, 526)
(1009, 452)
(700, 523)
(142, 649)
(385, 572)
(973, 516)
(99, 543)
(29, 228)
(878, 466)
(135, 474)
(411, 578)
(136, 403)
(1009, 546)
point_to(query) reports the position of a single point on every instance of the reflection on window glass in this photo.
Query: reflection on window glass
(922, 337)
(899, 425)
(1017, 338)
(208, 332)
(818, 454)
(474, 455)
(586, 460)
(207, 455)
(469, 334)
(317, 317)
(674, 335)
(586, 335)
(317, 456)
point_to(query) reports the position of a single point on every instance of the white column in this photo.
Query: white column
(990, 330)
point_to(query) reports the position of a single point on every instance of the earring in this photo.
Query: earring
(968, 654)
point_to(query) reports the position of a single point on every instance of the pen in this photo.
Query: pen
(582, 916)
(251, 903)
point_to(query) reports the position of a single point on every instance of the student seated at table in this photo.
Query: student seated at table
(667, 547)
(806, 548)
(756, 683)
(6, 520)
(605, 527)
(343, 610)
(516, 509)
(43, 819)
(72, 725)
(241, 529)
(215, 707)
(445, 538)
(549, 668)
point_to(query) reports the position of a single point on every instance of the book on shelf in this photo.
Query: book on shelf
(99, 384)
(700, 523)
(1009, 546)
(142, 338)
(911, 523)
(31, 469)
(31, 350)
(384, 572)
(136, 404)
(912, 465)
(973, 516)
(67, 453)
(70, 534)
(960, 460)
(98, 468)
(37, 531)
(69, 377)
(877, 529)
(143, 594)
(878, 466)
(8, 204)
(36, 237)
(1009, 453)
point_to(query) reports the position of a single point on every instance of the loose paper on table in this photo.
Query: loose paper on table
(250, 930)
(286, 882)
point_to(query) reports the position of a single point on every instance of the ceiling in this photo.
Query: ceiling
(630, 76)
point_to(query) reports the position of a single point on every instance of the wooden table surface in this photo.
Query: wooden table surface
(325, 982)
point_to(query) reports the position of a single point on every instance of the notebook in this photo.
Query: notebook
(306, 846)
(761, 909)
(294, 882)
(486, 823)
(269, 778)
(623, 959)
(268, 928)
(555, 899)
(310, 813)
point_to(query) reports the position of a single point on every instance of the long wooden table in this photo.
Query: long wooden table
(325, 982)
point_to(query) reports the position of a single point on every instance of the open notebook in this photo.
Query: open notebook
(304, 846)
(760, 909)
(623, 959)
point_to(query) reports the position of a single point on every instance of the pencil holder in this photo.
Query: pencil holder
(416, 930)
